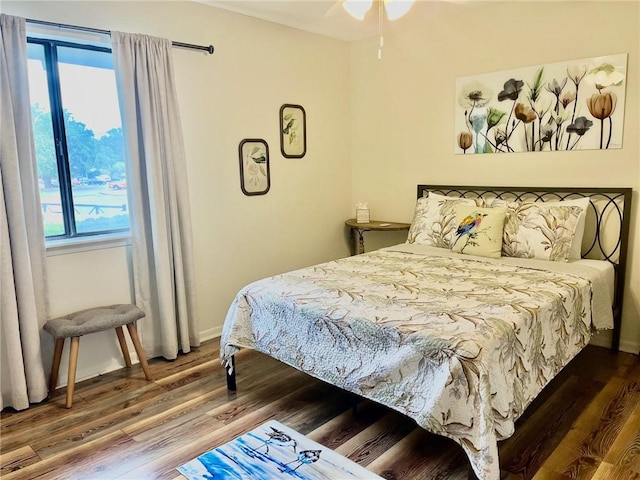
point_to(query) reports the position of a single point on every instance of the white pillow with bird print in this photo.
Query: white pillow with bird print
(479, 231)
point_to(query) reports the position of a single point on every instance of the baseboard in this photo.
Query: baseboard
(604, 340)
(630, 347)
(94, 370)
(210, 333)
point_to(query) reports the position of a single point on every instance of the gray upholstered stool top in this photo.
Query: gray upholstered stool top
(93, 320)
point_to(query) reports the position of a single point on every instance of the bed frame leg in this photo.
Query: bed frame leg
(472, 475)
(231, 377)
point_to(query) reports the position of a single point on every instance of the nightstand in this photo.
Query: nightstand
(377, 226)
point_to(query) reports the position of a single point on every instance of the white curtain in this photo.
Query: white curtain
(158, 194)
(23, 300)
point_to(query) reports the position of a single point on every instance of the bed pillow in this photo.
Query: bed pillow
(575, 252)
(479, 231)
(539, 230)
(434, 221)
(480, 202)
(576, 245)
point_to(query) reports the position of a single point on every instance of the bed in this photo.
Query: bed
(464, 325)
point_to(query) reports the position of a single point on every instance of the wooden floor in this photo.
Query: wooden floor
(586, 424)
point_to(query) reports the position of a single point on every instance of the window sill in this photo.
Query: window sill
(68, 246)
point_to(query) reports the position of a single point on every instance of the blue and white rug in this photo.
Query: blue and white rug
(273, 451)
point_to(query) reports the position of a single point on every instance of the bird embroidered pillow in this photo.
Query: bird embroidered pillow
(479, 231)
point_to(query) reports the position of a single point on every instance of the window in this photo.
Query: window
(78, 139)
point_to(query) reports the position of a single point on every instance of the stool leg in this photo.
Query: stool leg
(138, 346)
(73, 365)
(57, 355)
(123, 346)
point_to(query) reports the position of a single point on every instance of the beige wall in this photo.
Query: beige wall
(234, 94)
(403, 106)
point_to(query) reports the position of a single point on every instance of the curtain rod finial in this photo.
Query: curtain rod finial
(210, 50)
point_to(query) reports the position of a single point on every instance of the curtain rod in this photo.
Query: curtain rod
(107, 32)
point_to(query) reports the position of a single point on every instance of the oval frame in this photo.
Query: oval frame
(251, 154)
(293, 116)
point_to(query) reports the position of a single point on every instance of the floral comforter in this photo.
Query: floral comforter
(460, 344)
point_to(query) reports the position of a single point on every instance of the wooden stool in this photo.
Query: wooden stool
(92, 320)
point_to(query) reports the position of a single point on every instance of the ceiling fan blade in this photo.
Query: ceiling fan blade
(334, 9)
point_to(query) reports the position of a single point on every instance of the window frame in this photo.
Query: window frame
(50, 53)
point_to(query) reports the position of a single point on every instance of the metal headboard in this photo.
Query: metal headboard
(606, 232)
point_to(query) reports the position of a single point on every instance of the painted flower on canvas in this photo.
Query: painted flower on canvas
(574, 105)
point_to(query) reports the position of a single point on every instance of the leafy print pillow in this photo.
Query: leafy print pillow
(434, 221)
(536, 230)
(583, 203)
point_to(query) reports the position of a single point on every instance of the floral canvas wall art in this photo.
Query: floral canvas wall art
(573, 105)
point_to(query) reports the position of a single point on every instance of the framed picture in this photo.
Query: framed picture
(293, 131)
(255, 178)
